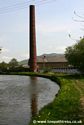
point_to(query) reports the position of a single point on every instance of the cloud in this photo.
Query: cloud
(5, 50)
(52, 28)
(5, 58)
(58, 49)
(25, 56)
(61, 49)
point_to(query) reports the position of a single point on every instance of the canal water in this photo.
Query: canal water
(21, 97)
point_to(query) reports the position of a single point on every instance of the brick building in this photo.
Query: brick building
(52, 61)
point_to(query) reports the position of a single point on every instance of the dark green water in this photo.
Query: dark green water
(21, 97)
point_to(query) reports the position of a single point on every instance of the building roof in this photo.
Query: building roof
(52, 58)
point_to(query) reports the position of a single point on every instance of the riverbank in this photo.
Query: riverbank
(68, 105)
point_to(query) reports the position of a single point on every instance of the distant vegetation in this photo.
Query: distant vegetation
(75, 55)
(0, 49)
(12, 66)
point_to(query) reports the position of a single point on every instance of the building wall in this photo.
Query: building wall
(52, 65)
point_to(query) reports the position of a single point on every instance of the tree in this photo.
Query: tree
(13, 63)
(3, 66)
(75, 55)
(0, 50)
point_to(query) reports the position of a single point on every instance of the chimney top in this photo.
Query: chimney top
(32, 5)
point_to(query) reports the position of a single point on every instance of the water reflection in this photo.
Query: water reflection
(34, 96)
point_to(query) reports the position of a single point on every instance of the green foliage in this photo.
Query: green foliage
(75, 55)
(13, 63)
(3, 67)
(46, 70)
(12, 66)
(0, 49)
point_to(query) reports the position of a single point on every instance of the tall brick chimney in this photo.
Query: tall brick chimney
(32, 58)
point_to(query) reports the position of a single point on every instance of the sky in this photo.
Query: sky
(54, 21)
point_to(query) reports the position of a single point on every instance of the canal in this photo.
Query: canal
(21, 97)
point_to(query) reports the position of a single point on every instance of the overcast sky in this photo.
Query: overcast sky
(54, 21)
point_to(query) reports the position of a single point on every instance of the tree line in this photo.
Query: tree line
(12, 66)
(75, 55)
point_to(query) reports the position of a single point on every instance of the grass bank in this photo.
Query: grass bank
(67, 106)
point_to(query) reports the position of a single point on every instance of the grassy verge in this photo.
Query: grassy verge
(66, 106)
